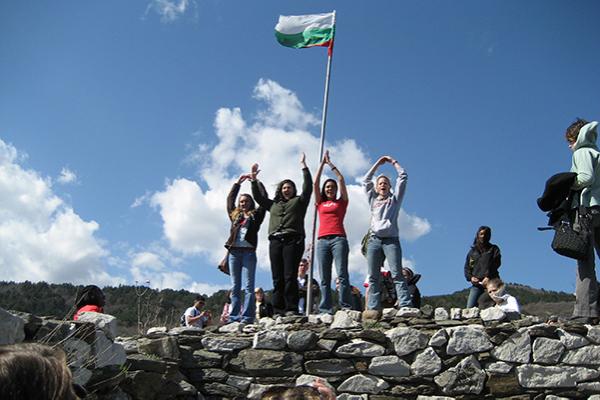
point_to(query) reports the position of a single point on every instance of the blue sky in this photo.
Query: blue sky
(124, 124)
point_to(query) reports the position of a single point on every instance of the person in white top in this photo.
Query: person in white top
(504, 301)
(194, 316)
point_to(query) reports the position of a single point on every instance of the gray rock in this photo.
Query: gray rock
(468, 339)
(388, 313)
(499, 367)
(329, 367)
(32, 323)
(439, 338)
(141, 362)
(106, 353)
(221, 389)
(434, 398)
(165, 347)
(440, 314)
(593, 334)
(426, 363)
(271, 340)
(156, 332)
(348, 396)
(302, 340)
(233, 327)
(455, 313)
(389, 366)
(466, 378)
(492, 314)
(225, 344)
(593, 387)
(538, 376)
(547, 351)
(105, 322)
(470, 313)
(553, 397)
(78, 353)
(326, 344)
(53, 332)
(408, 312)
(201, 359)
(81, 375)
(129, 344)
(12, 328)
(267, 363)
(588, 355)
(360, 348)
(199, 376)
(306, 379)
(407, 340)
(343, 320)
(517, 348)
(363, 384)
(240, 382)
(186, 330)
(571, 340)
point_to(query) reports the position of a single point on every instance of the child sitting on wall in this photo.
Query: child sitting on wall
(497, 291)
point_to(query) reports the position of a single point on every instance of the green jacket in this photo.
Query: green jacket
(585, 164)
(287, 216)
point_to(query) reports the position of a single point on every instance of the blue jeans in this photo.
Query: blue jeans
(378, 249)
(328, 250)
(474, 293)
(242, 260)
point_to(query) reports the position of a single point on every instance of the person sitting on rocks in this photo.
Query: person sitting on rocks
(497, 291)
(303, 287)
(264, 308)
(91, 299)
(411, 281)
(356, 300)
(195, 317)
(32, 371)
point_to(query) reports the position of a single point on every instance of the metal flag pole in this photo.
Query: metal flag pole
(309, 299)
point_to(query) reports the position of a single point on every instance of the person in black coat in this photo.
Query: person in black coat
(483, 261)
(263, 306)
(411, 281)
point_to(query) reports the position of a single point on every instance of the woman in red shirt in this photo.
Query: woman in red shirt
(332, 243)
(91, 299)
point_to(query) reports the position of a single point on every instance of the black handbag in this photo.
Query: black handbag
(570, 242)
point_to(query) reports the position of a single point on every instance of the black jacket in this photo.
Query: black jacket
(254, 221)
(482, 265)
(556, 190)
(413, 290)
(265, 309)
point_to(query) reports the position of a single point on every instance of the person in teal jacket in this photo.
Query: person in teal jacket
(581, 136)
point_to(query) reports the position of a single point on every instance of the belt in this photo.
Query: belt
(329, 237)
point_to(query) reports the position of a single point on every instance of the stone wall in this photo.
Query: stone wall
(407, 354)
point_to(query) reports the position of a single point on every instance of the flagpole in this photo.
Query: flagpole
(309, 299)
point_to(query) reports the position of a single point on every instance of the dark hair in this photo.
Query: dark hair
(32, 371)
(278, 195)
(200, 298)
(90, 295)
(486, 237)
(572, 131)
(303, 392)
(323, 196)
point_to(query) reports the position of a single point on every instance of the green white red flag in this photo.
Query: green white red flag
(302, 31)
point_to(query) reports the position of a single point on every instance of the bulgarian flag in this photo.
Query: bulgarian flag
(301, 31)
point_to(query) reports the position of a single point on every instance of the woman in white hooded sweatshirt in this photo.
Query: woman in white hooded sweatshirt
(581, 136)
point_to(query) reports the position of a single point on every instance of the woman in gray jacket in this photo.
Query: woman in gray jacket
(383, 242)
(581, 137)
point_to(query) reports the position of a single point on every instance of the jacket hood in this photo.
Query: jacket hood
(587, 136)
(415, 278)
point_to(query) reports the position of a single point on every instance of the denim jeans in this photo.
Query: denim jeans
(474, 293)
(328, 250)
(379, 249)
(242, 260)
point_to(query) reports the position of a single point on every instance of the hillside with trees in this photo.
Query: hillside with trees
(140, 307)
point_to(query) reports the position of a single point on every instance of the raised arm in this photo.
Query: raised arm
(317, 184)
(258, 190)
(340, 178)
(235, 189)
(368, 179)
(401, 180)
(307, 184)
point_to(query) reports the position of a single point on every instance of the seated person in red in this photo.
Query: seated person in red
(91, 299)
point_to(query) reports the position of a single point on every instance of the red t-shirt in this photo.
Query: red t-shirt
(87, 308)
(331, 217)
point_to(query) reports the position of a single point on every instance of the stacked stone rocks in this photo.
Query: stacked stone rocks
(408, 354)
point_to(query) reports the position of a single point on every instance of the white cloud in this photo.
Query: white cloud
(194, 215)
(141, 200)
(206, 288)
(169, 10)
(42, 238)
(66, 176)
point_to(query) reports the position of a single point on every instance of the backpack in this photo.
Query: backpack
(182, 320)
(388, 290)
